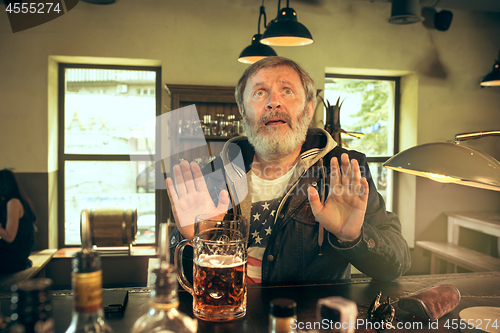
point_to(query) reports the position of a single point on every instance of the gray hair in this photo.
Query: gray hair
(275, 61)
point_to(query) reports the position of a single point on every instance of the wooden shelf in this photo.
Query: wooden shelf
(460, 256)
(207, 138)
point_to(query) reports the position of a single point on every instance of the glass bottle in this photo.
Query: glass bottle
(214, 128)
(240, 129)
(86, 282)
(221, 124)
(163, 315)
(31, 305)
(230, 125)
(207, 119)
(4, 323)
(282, 313)
(180, 127)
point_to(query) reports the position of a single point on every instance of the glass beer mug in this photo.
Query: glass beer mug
(219, 287)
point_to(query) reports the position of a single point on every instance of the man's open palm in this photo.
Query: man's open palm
(343, 212)
(190, 197)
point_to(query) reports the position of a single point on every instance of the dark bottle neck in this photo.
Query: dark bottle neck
(164, 281)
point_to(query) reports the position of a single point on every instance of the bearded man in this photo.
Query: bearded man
(313, 206)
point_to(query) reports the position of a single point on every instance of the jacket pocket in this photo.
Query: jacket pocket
(304, 214)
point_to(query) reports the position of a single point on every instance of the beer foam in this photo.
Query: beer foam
(217, 261)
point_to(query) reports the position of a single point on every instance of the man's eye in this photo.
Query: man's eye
(260, 93)
(288, 91)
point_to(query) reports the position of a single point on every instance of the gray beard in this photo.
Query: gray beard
(271, 147)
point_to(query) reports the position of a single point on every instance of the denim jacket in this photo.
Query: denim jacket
(300, 251)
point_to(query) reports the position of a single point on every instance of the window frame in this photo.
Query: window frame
(397, 107)
(63, 157)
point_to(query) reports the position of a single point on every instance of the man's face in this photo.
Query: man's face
(275, 114)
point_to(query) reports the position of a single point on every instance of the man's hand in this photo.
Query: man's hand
(192, 197)
(344, 209)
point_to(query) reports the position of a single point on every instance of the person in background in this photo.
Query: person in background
(313, 206)
(17, 225)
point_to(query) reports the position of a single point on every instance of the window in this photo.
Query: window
(103, 121)
(369, 114)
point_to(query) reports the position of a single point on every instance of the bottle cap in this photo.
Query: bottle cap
(283, 307)
(337, 309)
(329, 313)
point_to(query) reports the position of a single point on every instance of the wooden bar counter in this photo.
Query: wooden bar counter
(477, 289)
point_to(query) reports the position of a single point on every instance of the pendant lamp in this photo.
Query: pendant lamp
(256, 51)
(451, 163)
(493, 78)
(285, 30)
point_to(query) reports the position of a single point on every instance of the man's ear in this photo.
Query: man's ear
(310, 110)
(242, 112)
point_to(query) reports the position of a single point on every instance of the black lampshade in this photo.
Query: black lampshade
(493, 78)
(285, 30)
(256, 51)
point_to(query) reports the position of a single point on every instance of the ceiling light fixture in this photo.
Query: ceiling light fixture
(451, 163)
(404, 12)
(256, 51)
(493, 78)
(285, 30)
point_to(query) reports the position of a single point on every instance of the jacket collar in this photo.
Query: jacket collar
(237, 157)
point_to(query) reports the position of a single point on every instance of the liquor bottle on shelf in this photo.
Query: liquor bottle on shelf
(230, 124)
(214, 128)
(207, 119)
(239, 129)
(31, 305)
(86, 282)
(221, 124)
(163, 315)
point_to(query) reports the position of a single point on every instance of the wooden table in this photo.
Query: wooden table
(39, 260)
(477, 289)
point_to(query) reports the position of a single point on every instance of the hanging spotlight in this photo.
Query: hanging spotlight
(404, 12)
(493, 78)
(285, 30)
(256, 51)
(442, 20)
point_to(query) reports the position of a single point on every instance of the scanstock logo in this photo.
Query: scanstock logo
(31, 13)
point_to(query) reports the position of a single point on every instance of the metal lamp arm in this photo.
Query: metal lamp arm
(474, 135)
(279, 6)
(262, 12)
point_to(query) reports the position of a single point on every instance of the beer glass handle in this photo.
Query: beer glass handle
(178, 263)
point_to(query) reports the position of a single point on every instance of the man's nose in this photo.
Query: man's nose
(274, 101)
